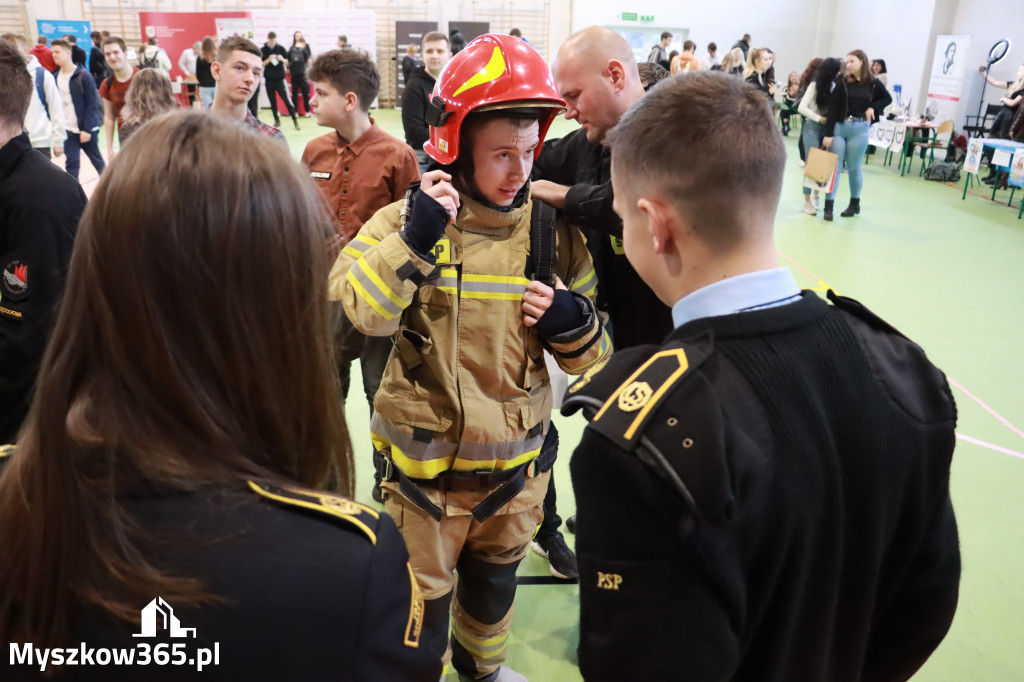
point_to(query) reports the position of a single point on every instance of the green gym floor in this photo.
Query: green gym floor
(948, 273)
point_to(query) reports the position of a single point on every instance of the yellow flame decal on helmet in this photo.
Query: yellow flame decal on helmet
(494, 69)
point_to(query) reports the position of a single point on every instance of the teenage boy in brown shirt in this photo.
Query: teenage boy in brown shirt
(358, 169)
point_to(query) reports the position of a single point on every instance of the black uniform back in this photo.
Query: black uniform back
(40, 206)
(306, 586)
(766, 498)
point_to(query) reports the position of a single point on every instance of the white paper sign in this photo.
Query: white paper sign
(898, 136)
(880, 134)
(973, 160)
(1001, 158)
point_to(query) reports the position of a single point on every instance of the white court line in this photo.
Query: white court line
(990, 446)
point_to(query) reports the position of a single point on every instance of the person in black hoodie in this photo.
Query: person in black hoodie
(765, 495)
(416, 98)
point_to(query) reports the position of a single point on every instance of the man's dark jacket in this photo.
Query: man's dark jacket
(415, 101)
(636, 313)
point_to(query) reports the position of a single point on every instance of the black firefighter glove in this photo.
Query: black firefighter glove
(426, 224)
(562, 316)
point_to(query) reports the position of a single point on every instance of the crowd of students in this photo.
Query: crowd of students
(184, 443)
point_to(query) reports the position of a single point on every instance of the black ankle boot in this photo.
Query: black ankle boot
(829, 204)
(851, 210)
(295, 120)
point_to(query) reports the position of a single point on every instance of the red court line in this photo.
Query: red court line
(1005, 422)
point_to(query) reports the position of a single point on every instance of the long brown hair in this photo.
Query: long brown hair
(808, 74)
(193, 348)
(149, 95)
(865, 75)
(209, 50)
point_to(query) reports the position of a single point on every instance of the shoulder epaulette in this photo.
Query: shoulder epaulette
(360, 516)
(861, 312)
(655, 403)
(624, 393)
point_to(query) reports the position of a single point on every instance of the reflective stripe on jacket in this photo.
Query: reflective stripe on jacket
(466, 388)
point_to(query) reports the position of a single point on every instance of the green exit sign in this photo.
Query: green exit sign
(647, 17)
(628, 16)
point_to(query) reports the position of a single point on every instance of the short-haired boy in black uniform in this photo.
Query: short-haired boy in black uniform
(766, 495)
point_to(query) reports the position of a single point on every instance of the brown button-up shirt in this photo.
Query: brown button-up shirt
(357, 179)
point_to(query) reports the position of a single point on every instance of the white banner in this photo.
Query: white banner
(972, 161)
(320, 28)
(228, 27)
(949, 69)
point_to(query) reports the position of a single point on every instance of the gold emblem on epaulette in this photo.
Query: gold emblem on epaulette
(635, 396)
(340, 505)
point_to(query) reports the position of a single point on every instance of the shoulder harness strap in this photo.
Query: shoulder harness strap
(543, 243)
(352, 513)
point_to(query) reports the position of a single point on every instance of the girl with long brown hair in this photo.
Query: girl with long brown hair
(148, 96)
(186, 420)
(866, 97)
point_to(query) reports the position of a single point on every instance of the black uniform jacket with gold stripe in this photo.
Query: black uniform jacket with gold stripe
(308, 586)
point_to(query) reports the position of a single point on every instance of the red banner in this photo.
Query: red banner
(177, 31)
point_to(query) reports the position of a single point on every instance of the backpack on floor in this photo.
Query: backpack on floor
(943, 171)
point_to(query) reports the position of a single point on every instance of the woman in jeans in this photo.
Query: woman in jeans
(207, 85)
(866, 98)
(823, 103)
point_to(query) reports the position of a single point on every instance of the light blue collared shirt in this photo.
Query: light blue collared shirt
(742, 293)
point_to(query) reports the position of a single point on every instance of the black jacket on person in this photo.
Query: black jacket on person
(636, 313)
(415, 100)
(98, 65)
(40, 206)
(308, 587)
(297, 59)
(85, 98)
(765, 497)
(409, 64)
(274, 71)
(78, 55)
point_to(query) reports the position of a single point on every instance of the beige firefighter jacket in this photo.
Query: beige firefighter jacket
(466, 388)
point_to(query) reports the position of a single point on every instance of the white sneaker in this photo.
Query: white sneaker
(802, 164)
(810, 208)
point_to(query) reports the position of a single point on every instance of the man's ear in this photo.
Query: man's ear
(215, 70)
(351, 101)
(661, 221)
(616, 73)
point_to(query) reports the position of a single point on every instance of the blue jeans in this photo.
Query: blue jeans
(72, 153)
(206, 96)
(811, 133)
(849, 143)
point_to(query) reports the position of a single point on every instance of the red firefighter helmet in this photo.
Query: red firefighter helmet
(492, 72)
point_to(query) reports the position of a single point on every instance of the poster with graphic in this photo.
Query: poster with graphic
(1017, 169)
(949, 69)
(972, 161)
(178, 31)
(58, 28)
(231, 27)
